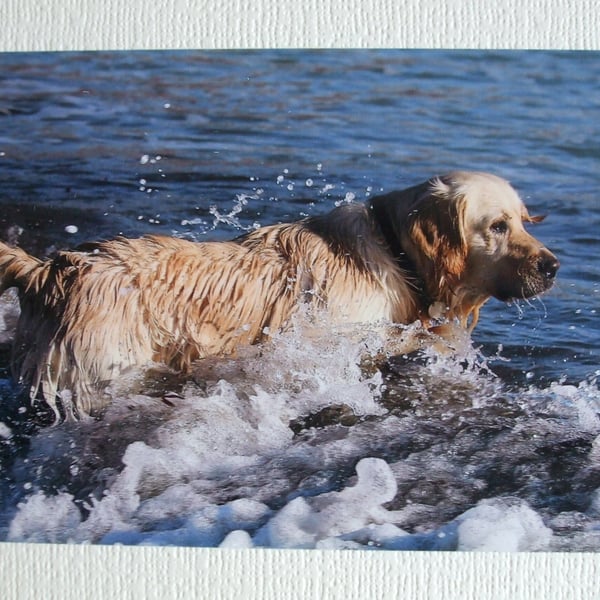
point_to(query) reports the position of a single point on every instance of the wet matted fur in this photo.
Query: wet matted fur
(438, 250)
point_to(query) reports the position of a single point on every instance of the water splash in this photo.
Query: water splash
(231, 219)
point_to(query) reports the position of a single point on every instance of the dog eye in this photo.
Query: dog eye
(499, 227)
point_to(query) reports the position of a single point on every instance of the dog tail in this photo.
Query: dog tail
(17, 268)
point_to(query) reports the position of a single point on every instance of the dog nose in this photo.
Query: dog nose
(548, 264)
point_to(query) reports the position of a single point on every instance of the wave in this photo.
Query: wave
(308, 442)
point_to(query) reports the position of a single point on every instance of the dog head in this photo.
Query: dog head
(463, 236)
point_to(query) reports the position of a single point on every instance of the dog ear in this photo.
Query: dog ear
(535, 219)
(435, 228)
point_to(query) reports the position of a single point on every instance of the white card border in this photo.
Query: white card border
(65, 572)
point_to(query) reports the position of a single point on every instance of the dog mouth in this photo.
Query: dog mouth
(532, 279)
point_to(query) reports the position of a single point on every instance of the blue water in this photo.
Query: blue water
(207, 144)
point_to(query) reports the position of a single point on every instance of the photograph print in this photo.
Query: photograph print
(309, 299)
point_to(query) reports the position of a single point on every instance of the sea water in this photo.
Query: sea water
(305, 442)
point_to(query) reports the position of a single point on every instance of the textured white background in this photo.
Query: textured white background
(134, 24)
(82, 572)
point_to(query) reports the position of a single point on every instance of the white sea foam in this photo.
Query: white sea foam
(44, 518)
(296, 445)
(502, 526)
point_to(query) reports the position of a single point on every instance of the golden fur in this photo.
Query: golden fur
(434, 252)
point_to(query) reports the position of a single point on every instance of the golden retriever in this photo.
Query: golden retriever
(432, 253)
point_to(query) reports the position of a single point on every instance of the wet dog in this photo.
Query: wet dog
(435, 252)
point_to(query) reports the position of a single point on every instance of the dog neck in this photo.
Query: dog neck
(390, 238)
(437, 302)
